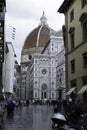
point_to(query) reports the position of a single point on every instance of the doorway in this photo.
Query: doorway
(44, 94)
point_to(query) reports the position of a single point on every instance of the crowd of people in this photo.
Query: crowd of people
(66, 106)
(8, 105)
(73, 111)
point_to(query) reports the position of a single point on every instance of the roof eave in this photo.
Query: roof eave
(3, 1)
(65, 5)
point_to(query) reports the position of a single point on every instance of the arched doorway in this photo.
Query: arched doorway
(44, 91)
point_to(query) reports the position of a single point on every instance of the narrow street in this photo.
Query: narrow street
(32, 118)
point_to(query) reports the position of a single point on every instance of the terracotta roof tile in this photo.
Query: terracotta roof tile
(31, 39)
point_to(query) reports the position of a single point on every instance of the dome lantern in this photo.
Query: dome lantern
(43, 19)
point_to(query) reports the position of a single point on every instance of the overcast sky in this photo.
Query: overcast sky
(24, 15)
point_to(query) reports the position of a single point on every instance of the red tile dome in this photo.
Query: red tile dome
(39, 37)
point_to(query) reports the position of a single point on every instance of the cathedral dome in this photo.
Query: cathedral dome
(39, 37)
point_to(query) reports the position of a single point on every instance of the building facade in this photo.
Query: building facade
(34, 43)
(2, 40)
(17, 81)
(41, 77)
(60, 74)
(75, 37)
(39, 63)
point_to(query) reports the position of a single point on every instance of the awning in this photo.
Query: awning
(70, 91)
(82, 90)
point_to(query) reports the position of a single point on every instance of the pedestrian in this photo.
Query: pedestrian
(78, 110)
(2, 108)
(64, 105)
(1, 114)
(16, 104)
(10, 108)
(59, 104)
(56, 110)
(27, 103)
(20, 103)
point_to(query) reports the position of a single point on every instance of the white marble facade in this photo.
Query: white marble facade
(42, 80)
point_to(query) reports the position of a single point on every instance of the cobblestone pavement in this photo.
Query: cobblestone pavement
(32, 118)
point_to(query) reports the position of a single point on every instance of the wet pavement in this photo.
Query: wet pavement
(32, 118)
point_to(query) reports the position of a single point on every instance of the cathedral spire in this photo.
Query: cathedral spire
(43, 19)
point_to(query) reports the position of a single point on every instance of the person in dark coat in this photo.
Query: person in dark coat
(56, 110)
(10, 107)
(27, 103)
